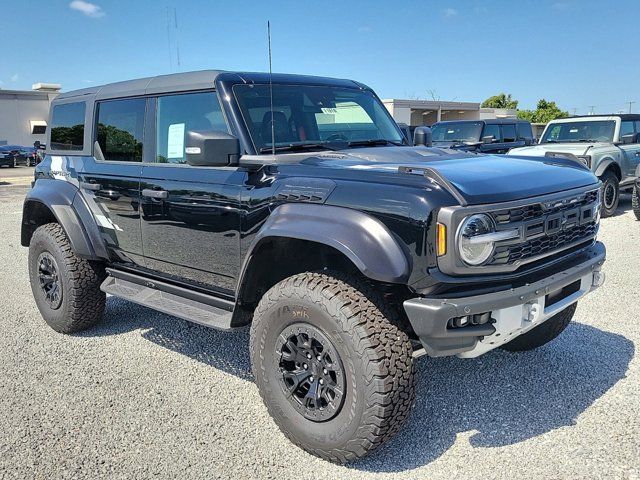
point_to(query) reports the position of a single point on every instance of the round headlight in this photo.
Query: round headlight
(474, 251)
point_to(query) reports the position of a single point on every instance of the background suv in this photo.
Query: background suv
(486, 136)
(607, 144)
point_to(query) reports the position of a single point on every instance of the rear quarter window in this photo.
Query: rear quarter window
(67, 126)
(524, 131)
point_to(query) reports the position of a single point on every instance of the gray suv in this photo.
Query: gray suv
(607, 144)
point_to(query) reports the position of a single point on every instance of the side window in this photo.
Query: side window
(638, 126)
(179, 114)
(492, 130)
(120, 128)
(626, 128)
(508, 133)
(524, 131)
(67, 126)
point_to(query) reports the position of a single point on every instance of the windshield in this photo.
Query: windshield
(315, 117)
(456, 132)
(587, 131)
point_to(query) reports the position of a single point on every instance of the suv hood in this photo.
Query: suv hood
(478, 178)
(542, 149)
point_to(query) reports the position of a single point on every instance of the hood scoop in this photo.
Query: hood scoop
(435, 176)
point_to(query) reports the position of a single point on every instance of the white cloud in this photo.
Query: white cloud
(89, 9)
(449, 12)
(14, 77)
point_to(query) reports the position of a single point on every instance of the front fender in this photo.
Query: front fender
(603, 165)
(363, 239)
(61, 200)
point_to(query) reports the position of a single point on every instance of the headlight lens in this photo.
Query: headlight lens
(474, 252)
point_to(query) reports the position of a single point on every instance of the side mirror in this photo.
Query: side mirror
(212, 149)
(488, 139)
(422, 137)
(630, 138)
(36, 144)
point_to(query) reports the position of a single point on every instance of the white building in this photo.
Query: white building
(24, 113)
(427, 112)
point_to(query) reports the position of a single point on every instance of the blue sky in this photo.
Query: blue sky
(577, 52)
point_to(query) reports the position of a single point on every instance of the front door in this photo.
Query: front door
(110, 180)
(190, 215)
(631, 151)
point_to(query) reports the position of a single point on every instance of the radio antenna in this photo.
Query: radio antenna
(273, 128)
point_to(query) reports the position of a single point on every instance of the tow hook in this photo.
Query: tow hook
(532, 311)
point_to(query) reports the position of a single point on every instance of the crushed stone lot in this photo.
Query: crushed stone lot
(146, 395)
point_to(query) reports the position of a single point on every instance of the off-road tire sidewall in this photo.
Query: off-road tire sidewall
(328, 434)
(82, 302)
(635, 202)
(375, 355)
(609, 179)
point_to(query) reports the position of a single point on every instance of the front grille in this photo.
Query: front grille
(538, 210)
(546, 227)
(510, 254)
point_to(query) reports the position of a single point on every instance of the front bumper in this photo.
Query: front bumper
(513, 311)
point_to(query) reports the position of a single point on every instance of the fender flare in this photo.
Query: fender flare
(363, 239)
(65, 203)
(603, 165)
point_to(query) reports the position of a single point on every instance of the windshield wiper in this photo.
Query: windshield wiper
(298, 147)
(373, 142)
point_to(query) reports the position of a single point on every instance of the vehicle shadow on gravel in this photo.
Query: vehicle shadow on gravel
(226, 351)
(498, 399)
(624, 205)
(504, 398)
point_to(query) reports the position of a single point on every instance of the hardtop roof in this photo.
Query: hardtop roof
(198, 80)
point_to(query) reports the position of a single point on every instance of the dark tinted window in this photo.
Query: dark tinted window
(120, 129)
(626, 128)
(524, 131)
(456, 131)
(67, 126)
(508, 133)
(179, 114)
(492, 131)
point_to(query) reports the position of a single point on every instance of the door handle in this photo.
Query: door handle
(638, 153)
(157, 194)
(90, 186)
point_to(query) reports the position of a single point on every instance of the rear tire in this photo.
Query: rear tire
(635, 202)
(610, 193)
(543, 333)
(371, 365)
(66, 287)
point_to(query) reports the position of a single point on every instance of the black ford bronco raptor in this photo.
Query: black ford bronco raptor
(293, 204)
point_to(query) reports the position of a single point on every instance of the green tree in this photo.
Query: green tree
(545, 112)
(500, 101)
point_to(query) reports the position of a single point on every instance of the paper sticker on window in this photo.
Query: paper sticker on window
(175, 141)
(330, 111)
(573, 130)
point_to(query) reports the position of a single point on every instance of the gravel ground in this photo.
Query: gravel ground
(148, 395)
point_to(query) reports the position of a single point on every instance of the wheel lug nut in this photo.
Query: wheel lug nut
(324, 370)
(311, 378)
(308, 355)
(321, 382)
(305, 366)
(319, 358)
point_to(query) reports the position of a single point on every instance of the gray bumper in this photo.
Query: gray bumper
(511, 310)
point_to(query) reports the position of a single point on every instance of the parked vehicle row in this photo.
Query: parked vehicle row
(295, 204)
(483, 136)
(14, 155)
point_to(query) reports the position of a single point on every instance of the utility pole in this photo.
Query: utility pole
(591, 107)
(630, 103)
(574, 111)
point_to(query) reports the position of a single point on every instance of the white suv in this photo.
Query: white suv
(608, 144)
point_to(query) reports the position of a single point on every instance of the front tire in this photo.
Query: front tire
(610, 194)
(635, 202)
(66, 287)
(366, 383)
(542, 334)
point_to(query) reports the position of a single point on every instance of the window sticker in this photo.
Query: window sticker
(573, 130)
(329, 111)
(175, 141)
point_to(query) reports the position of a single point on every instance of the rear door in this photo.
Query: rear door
(493, 130)
(190, 215)
(110, 180)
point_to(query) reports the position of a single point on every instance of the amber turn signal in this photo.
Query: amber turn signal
(441, 239)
